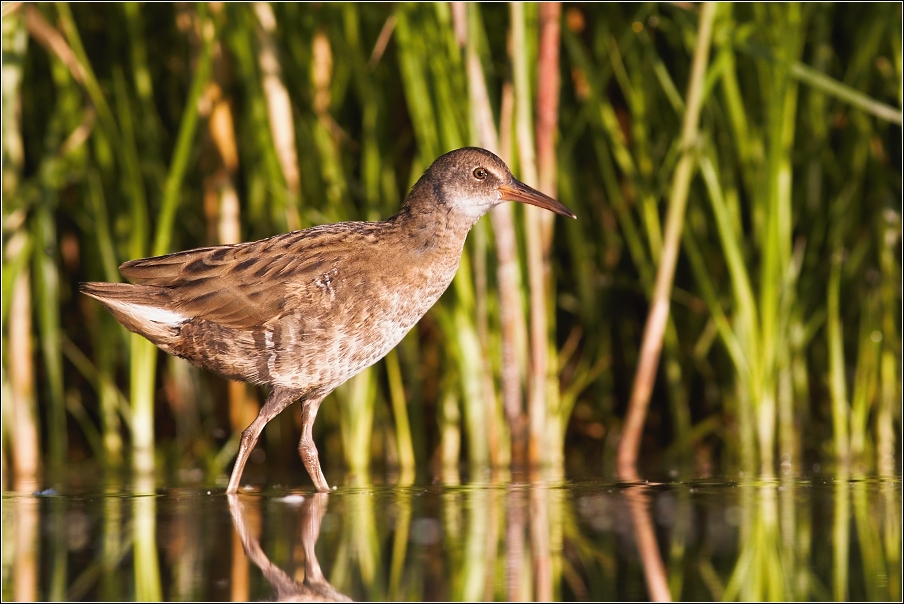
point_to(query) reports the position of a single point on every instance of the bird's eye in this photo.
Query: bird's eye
(480, 173)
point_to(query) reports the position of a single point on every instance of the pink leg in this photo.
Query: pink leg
(306, 447)
(279, 399)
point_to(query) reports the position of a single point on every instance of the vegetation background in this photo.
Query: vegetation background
(134, 130)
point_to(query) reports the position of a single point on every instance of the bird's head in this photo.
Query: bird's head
(472, 181)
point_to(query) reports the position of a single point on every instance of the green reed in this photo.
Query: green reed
(783, 338)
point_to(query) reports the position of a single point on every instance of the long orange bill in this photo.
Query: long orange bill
(518, 191)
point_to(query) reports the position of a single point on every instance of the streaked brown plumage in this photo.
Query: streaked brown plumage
(305, 311)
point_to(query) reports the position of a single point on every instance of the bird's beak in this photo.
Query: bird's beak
(518, 191)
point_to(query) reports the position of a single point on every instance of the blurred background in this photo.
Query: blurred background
(136, 130)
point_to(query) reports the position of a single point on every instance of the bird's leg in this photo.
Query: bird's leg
(306, 447)
(279, 399)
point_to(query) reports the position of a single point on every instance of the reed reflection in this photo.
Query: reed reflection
(144, 540)
(24, 529)
(530, 531)
(515, 539)
(645, 537)
(314, 587)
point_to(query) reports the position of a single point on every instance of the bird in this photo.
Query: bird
(303, 312)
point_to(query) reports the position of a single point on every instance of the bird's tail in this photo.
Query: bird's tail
(143, 309)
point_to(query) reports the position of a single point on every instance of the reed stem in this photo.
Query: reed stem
(659, 305)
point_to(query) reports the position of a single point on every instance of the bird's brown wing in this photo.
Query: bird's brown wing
(247, 285)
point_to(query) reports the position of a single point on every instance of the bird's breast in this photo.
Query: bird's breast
(350, 315)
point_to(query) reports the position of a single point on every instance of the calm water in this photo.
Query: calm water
(795, 538)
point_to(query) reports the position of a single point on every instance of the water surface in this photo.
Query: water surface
(730, 538)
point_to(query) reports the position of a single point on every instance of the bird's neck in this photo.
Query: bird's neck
(432, 227)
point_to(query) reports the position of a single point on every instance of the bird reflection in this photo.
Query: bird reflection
(315, 587)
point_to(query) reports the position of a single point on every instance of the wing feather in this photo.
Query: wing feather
(246, 285)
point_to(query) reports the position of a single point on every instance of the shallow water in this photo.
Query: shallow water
(795, 538)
